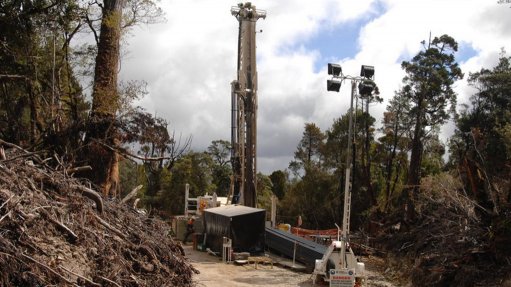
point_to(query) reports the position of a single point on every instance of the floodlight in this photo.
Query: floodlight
(366, 87)
(367, 71)
(334, 69)
(333, 85)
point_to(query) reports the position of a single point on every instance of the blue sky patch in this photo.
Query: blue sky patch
(340, 41)
(336, 43)
(465, 52)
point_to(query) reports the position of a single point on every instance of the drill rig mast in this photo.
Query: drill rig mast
(244, 108)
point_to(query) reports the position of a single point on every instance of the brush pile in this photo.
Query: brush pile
(56, 230)
(449, 244)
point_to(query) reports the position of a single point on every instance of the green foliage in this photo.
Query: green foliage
(264, 192)
(428, 86)
(194, 169)
(316, 198)
(308, 153)
(429, 79)
(434, 150)
(480, 145)
(392, 150)
(129, 177)
(279, 183)
(219, 151)
(37, 77)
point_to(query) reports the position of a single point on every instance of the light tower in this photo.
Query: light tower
(366, 87)
(346, 271)
(244, 108)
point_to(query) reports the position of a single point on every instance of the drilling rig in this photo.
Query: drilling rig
(244, 108)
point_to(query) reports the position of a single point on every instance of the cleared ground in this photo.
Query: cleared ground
(214, 273)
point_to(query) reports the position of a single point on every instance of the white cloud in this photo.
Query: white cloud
(190, 61)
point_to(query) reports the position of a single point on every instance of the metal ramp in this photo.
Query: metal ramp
(287, 244)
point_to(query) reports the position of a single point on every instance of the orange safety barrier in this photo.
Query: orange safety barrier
(307, 232)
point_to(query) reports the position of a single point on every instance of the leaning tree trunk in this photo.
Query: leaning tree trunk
(105, 99)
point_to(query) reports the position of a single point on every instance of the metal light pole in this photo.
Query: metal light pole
(347, 181)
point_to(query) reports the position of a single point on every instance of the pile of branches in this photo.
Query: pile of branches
(56, 230)
(450, 243)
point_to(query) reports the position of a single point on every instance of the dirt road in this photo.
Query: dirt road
(214, 273)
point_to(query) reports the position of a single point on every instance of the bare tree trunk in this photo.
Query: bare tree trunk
(105, 101)
(414, 175)
(414, 171)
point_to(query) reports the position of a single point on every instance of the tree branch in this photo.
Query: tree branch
(13, 77)
(131, 194)
(90, 194)
(125, 153)
(89, 23)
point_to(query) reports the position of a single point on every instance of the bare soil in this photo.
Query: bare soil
(215, 273)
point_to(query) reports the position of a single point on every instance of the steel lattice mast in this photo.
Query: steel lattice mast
(244, 108)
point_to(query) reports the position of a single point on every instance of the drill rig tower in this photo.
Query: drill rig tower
(244, 108)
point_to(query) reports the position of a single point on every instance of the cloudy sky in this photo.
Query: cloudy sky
(190, 60)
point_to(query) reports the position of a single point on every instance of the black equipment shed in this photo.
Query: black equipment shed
(244, 225)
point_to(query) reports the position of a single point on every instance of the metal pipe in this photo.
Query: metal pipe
(234, 122)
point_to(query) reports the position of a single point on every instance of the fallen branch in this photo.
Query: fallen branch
(113, 229)
(11, 145)
(23, 155)
(131, 194)
(7, 214)
(135, 203)
(64, 228)
(49, 269)
(81, 277)
(92, 195)
(13, 77)
(78, 169)
(7, 201)
(109, 281)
